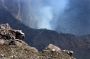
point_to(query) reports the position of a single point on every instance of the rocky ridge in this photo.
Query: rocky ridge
(12, 46)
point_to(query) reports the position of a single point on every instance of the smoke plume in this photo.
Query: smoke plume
(41, 13)
(67, 16)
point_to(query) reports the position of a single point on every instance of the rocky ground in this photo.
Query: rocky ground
(12, 46)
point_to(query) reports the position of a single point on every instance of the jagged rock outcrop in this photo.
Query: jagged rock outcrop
(12, 46)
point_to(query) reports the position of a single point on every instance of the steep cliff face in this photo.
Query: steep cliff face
(12, 46)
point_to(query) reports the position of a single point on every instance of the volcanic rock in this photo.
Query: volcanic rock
(12, 47)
